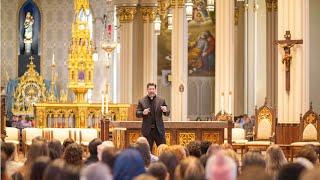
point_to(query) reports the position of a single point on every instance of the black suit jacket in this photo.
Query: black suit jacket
(147, 121)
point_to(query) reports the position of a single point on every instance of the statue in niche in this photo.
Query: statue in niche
(28, 26)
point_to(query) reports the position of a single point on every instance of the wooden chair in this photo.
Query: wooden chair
(60, 134)
(264, 131)
(12, 136)
(309, 131)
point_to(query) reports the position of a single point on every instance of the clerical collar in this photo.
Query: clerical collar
(152, 98)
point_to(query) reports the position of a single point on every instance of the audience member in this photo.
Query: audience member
(36, 150)
(309, 152)
(221, 167)
(213, 149)
(55, 149)
(144, 176)
(66, 143)
(8, 150)
(55, 170)
(38, 168)
(73, 155)
(204, 146)
(96, 171)
(144, 140)
(190, 168)
(194, 149)
(128, 165)
(93, 150)
(290, 171)
(103, 146)
(162, 148)
(159, 171)
(109, 157)
(253, 159)
(275, 159)
(203, 159)
(255, 173)
(313, 174)
(144, 151)
(179, 151)
(170, 160)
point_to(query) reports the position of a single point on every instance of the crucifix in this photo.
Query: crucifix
(287, 44)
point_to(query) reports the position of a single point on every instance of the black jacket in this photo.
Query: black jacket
(144, 103)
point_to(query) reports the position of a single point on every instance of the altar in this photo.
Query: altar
(125, 133)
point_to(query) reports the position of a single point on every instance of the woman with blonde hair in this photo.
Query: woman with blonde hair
(275, 159)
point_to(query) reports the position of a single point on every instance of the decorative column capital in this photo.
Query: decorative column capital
(148, 13)
(178, 3)
(126, 13)
(272, 5)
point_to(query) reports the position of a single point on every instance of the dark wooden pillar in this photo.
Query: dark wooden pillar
(104, 131)
(3, 116)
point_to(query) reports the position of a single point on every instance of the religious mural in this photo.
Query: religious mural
(201, 44)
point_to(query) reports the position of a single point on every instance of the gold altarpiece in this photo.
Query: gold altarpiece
(78, 114)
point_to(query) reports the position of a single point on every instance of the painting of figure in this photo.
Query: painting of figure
(201, 44)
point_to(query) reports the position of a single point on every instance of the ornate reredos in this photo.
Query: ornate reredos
(30, 90)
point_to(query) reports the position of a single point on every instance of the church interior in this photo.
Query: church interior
(240, 78)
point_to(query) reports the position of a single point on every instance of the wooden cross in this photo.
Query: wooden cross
(287, 44)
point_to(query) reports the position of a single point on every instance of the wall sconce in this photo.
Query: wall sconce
(157, 25)
(170, 19)
(189, 10)
(210, 5)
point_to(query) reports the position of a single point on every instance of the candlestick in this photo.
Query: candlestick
(107, 99)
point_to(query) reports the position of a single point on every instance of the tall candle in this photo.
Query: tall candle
(229, 103)
(107, 104)
(53, 63)
(102, 103)
(222, 103)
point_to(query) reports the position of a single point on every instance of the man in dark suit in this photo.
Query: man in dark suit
(150, 108)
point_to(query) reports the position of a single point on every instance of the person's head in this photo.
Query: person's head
(39, 139)
(213, 149)
(254, 173)
(96, 171)
(253, 159)
(128, 165)
(179, 151)
(151, 89)
(144, 176)
(194, 149)
(232, 154)
(162, 148)
(55, 170)
(73, 154)
(204, 146)
(143, 140)
(221, 167)
(311, 174)
(309, 152)
(104, 145)
(36, 150)
(93, 146)
(144, 150)
(190, 168)
(275, 159)
(290, 171)
(203, 159)
(38, 168)
(67, 142)
(55, 149)
(170, 160)
(108, 157)
(158, 170)
(8, 150)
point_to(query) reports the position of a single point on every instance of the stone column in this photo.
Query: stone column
(271, 49)
(224, 56)
(150, 45)
(179, 66)
(126, 15)
(293, 16)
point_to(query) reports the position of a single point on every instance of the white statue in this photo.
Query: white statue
(28, 27)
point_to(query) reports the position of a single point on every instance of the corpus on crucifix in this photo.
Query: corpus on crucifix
(287, 44)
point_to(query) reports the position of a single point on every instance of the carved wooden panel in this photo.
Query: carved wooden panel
(212, 137)
(185, 138)
(133, 136)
